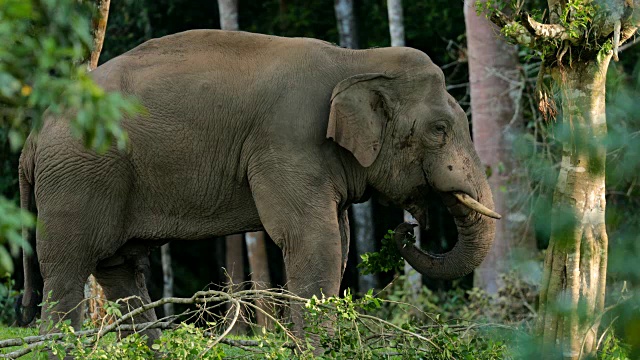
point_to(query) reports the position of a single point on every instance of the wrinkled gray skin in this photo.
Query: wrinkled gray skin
(247, 132)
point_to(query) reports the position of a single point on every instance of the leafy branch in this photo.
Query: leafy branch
(387, 259)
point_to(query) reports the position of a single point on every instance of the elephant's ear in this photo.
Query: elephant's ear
(358, 115)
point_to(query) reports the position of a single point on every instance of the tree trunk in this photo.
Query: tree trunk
(92, 290)
(573, 285)
(229, 21)
(396, 22)
(258, 262)
(228, 14)
(496, 88)
(235, 270)
(234, 258)
(362, 215)
(256, 247)
(167, 278)
(99, 28)
(346, 19)
(396, 31)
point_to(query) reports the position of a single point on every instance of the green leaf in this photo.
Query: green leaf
(6, 263)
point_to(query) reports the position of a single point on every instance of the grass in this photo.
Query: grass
(10, 332)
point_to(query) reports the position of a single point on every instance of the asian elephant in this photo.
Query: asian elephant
(245, 132)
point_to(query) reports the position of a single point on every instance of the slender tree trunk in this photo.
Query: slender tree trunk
(258, 261)
(256, 246)
(234, 258)
(362, 215)
(576, 260)
(99, 28)
(235, 270)
(229, 21)
(92, 290)
(396, 31)
(228, 14)
(496, 87)
(167, 278)
(396, 22)
(228, 10)
(346, 19)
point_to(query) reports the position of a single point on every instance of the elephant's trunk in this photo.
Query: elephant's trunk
(475, 236)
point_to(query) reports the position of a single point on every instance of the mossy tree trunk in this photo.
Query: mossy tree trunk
(573, 286)
(578, 42)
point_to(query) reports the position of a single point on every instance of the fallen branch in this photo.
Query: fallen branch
(380, 330)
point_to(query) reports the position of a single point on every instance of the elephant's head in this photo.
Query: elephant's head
(412, 140)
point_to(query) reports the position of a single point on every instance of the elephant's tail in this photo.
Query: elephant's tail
(26, 305)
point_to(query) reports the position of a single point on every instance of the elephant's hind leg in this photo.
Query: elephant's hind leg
(127, 280)
(63, 292)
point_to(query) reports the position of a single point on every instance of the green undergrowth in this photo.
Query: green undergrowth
(395, 323)
(432, 325)
(186, 342)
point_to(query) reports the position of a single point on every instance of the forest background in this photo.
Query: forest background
(529, 168)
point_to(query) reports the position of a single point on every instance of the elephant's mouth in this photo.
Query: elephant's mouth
(458, 203)
(475, 227)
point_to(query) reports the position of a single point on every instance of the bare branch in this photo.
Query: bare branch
(236, 305)
(546, 31)
(628, 45)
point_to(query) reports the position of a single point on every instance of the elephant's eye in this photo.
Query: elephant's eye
(440, 127)
(438, 136)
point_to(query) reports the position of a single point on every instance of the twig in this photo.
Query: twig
(373, 318)
(227, 330)
(628, 45)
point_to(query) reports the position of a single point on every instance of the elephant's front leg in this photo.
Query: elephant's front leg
(306, 226)
(313, 265)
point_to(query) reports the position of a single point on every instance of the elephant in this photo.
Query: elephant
(248, 132)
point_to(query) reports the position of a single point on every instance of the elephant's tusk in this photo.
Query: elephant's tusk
(471, 203)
